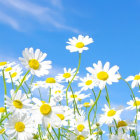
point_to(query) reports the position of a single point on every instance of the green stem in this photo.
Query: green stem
(75, 101)
(11, 80)
(39, 130)
(50, 95)
(107, 97)
(22, 81)
(73, 78)
(68, 130)
(91, 110)
(50, 133)
(40, 94)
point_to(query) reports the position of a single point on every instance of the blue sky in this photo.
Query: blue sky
(47, 24)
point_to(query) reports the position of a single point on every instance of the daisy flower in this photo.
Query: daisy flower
(36, 85)
(109, 115)
(104, 75)
(20, 127)
(133, 103)
(88, 82)
(4, 65)
(125, 125)
(77, 95)
(34, 62)
(50, 82)
(67, 75)
(135, 80)
(18, 103)
(66, 115)
(45, 113)
(15, 74)
(2, 110)
(79, 44)
(21, 78)
(88, 104)
(121, 136)
(81, 125)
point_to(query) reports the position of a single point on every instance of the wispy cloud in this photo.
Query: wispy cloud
(45, 15)
(9, 20)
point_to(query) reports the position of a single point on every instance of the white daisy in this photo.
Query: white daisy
(20, 127)
(104, 74)
(77, 95)
(50, 82)
(88, 104)
(79, 45)
(121, 136)
(67, 75)
(4, 65)
(45, 113)
(135, 80)
(34, 62)
(21, 79)
(18, 103)
(88, 82)
(15, 74)
(37, 85)
(109, 115)
(133, 103)
(81, 125)
(66, 115)
(2, 111)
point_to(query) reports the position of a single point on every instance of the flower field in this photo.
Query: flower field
(70, 109)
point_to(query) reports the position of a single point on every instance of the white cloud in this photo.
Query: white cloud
(9, 20)
(42, 14)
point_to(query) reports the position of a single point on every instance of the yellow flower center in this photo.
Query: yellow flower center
(66, 75)
(122, 124)
(2, 131)
(80, 45)
(102, 75)
(18, 104)
(49, 125)
(45, 109)
(136, 103)
(3, 63)
(111, 113)
(57, 91)
(50, 80)
(36, 84)
(34, 64)
(19, 126)
(74, 96)
(61, 116)
(137, 77)
(88, 82)
(2, 109)
(14, 74)
(80, 137)
(8, 69)
(86, 104)
(80, 127)
(43, 102)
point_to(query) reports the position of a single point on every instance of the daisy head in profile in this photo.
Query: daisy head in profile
(79, 44)
(104, 74)
(34, 61)
(135, 80)
(20, 127)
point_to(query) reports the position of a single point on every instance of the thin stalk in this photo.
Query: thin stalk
(75, 101)
(91, 110)
(40, 94)
(73, 78)
(54, 132)
(107, 97)
(50, 133)
(50, 95)
(11, 80)
(22, 81)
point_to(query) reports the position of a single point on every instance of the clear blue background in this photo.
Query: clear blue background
(113, 24)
